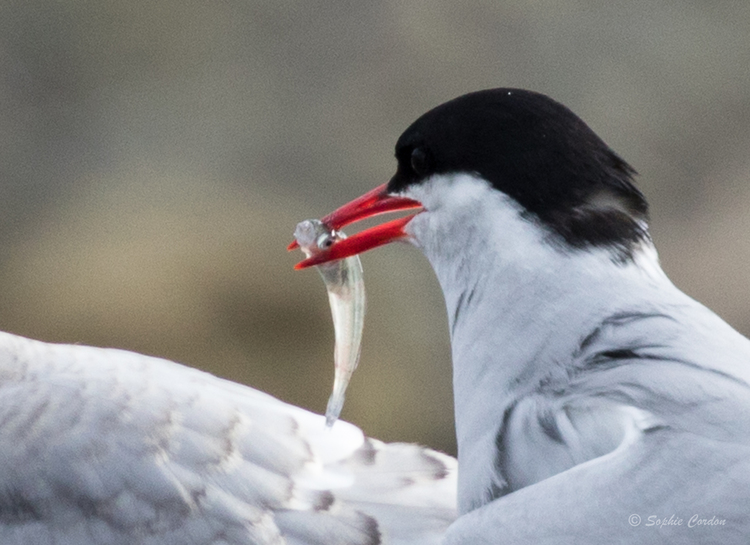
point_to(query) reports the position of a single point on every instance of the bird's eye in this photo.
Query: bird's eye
(419, 162)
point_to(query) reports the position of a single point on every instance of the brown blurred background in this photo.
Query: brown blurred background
(155, 156)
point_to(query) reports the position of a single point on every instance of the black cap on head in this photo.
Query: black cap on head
(534, 150)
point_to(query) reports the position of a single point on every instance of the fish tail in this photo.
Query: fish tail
(333, 410)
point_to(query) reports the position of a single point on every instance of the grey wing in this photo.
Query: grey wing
(110, 447)
(627, 496)
(683, 369)
(656, 423)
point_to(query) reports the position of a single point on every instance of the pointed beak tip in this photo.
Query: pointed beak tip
(306, 263)
(292, 246)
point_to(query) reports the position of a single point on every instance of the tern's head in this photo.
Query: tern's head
(502, 151)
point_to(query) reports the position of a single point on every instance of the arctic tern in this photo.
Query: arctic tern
(593, 399)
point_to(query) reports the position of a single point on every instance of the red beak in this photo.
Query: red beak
(372, 203)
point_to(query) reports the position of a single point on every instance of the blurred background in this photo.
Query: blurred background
(155, 156)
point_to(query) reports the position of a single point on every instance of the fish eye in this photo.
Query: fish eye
(325, 241)
(419, 163)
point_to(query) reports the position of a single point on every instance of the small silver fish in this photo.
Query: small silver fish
(346, 297)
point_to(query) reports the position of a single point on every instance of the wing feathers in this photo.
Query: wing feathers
(109, 447)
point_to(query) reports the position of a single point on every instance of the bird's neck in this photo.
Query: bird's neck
(518, 305)
(514, 328)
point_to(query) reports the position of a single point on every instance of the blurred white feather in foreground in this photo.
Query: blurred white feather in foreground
(108, 446)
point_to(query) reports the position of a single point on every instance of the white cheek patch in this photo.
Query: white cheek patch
(454, 190)
(464, 215)
(452, 203)
(458, 203)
